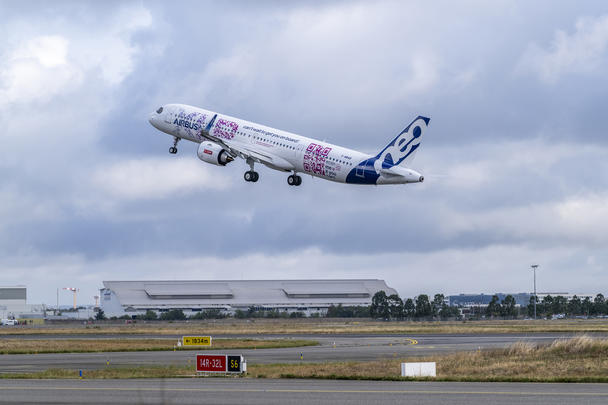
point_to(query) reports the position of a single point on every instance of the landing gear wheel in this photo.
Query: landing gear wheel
(252, 176)
(294, 180)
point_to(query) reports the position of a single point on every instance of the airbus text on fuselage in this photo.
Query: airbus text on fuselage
(222, 139)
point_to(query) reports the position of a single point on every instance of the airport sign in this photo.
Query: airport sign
(235, 364)
(211, 363)
(220, 363)
(196, 340)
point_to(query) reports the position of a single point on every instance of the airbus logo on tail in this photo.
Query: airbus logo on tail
(403, 146)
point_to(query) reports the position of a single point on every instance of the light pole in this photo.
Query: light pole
(534, 267)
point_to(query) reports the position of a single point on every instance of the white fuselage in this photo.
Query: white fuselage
(288, 151)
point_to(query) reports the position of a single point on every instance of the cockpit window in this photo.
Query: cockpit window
(160, 110)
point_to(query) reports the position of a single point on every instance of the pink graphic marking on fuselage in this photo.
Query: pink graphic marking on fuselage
(314, 158)
(225, 129)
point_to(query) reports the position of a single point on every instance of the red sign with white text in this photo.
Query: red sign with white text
(211, 363)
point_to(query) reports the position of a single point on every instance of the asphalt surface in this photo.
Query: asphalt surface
(246, 391)
(331, 348)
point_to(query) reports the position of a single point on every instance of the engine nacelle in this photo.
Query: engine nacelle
(213, 153)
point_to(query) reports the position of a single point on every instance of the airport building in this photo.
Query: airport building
(521, 299)
(13, 304)
(12, 301)
(120, 298)
(482, 300)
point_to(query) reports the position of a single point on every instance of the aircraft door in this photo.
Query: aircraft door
(298, 155)
(167, 116)
(360, 169)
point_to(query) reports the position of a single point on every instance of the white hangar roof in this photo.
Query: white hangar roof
(245, 293)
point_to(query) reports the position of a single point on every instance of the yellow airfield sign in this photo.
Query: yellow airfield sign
(196, 340)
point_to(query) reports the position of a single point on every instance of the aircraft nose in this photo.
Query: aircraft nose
(153, 119)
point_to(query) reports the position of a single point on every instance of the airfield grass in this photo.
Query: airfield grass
(317, 326)
(20, 346)
(579, 359)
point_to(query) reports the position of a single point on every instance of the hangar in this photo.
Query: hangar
(309, 296)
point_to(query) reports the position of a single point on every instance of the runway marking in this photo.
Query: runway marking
(313, 391)
(412, 341)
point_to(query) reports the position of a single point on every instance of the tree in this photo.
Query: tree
(574, 306)
(173, 315)
(547, 306)
(508, 307)
(599, 304)
(423, 306)
(149, 316)
(531, 306)
(494, 307)
(587, 306)
(347, 312)
(395, 306)
(100, 315)
(380, 307)
(438, 302)
(559, 305)
(296, 314)
(409, 308)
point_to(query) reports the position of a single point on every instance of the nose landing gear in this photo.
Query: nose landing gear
(173, 149)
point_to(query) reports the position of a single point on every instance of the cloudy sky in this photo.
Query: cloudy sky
(515, 157)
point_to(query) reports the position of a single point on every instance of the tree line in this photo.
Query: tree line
(420, 307)
(549, 306)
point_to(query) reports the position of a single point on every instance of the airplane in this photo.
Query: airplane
(222, 139)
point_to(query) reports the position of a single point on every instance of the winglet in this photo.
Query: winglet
(210, 125)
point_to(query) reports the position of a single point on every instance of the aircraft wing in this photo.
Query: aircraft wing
(250, 152)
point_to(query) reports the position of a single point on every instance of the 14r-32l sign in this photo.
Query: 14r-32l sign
(219, 363)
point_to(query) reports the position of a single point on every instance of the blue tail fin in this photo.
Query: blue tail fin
(403, 148)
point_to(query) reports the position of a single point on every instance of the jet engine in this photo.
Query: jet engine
(213, 153)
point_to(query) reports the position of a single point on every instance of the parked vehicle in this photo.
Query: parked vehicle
(9, 322)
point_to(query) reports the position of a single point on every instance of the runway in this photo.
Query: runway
(331, 348)
(249, 391)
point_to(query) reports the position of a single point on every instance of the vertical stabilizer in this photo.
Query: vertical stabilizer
(403, 148)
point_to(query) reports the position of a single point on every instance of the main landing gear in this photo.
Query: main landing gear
(173, 149)
(251, 175)
(294, 180)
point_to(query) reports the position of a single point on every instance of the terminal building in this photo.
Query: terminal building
(120, 298)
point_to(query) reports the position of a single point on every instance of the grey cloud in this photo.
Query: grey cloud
(504, 153)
